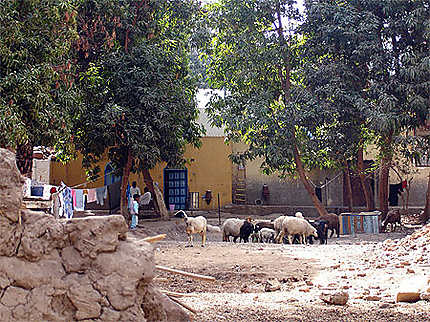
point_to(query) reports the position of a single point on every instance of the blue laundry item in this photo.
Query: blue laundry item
(79, 200)
(68, 203)
(129, 198)
(101, 194)
(37, 191)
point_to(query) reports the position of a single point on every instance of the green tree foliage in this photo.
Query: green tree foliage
(371, 63)
(37, 93)
(255, 57)
(139, 95)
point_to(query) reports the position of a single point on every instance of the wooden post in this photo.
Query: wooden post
(192, 275)
(219, 212)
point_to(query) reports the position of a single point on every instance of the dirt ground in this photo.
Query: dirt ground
(358, 265)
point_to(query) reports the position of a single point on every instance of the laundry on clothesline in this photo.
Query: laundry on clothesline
(91, 196)
(101, 194)
(79, 201)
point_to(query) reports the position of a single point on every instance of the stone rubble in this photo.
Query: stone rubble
(335, 298)
(72, 270)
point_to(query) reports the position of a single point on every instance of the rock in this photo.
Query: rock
(11, 183)
(409, 297)
(372, 298)
(272, 285)
(14, 296)
(335, 298)
(79, 269)
(410, 289)
(304, 289)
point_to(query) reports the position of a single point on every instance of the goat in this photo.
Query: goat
(245, 231)
(196, 225)
(393, 218)
(231, 228)
(294, 225)
(266, 235)
(333, 223)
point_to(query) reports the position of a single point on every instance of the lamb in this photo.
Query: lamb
(277, 226)
(264, 224)
(294, 225)
(393, 218)
(266, 235)
(231, 227)
(333, 223)
(245, 231)
(196, 225)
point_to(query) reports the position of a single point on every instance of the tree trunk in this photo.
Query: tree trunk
(286, 86)
(150, 184)
(124, 185)
(364, 182)
(24, 159)
(348, 186)
(426, 215)
(317, 203)
(383, 185)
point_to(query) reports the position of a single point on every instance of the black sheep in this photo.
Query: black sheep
(246, 230)
(263, 224)
(321, 226)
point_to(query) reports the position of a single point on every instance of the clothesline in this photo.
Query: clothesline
(87, 182)
(327, 183)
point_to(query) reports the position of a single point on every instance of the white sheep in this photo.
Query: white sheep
(299, 214)
(266, 235)
(297, 226)
(231, 227)
(277, 224)
(196, 225)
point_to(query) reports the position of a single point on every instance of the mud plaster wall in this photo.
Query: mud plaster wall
(70, 270)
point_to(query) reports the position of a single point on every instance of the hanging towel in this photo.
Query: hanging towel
(101, 194)
(129, 198)
(92, 196)
(74, 197)
(79, 200)
(68, 203)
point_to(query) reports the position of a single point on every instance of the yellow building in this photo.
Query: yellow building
(209, 169)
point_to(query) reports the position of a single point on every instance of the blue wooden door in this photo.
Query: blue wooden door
(176, 188)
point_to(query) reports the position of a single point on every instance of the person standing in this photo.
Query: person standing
(134, 189)
(134, 211)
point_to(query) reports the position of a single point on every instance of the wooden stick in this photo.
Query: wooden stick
(176, 294)
(153, 239)
(183, 304)
(192, 275)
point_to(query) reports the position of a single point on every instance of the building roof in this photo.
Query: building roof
(203, 96)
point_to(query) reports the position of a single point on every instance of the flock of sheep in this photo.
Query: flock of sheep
(294, 228)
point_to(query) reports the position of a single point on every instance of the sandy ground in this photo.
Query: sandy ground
(358, 265)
